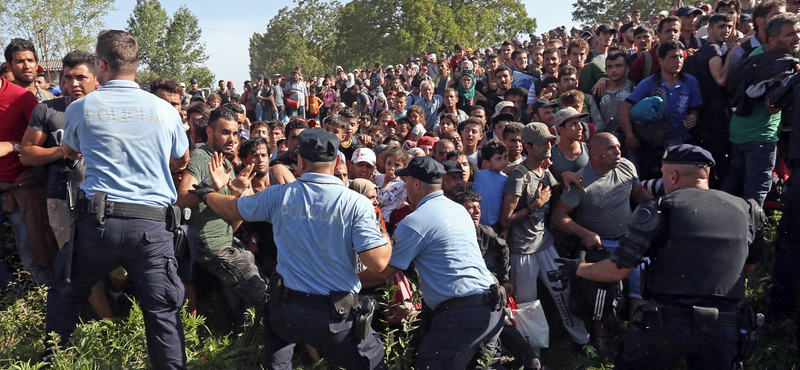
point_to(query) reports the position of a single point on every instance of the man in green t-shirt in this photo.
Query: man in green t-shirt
(755, 136)
(216, 250)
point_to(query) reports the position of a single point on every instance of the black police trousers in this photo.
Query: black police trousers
(145, 249)
(655, 349)
(287, 323)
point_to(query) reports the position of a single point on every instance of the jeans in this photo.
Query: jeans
(751, 170)
(38, 273)
(299, 112)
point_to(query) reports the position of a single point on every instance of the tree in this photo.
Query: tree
(288, 43)
(168, 47)
(367, 31)
(606, 11)
(57, 27)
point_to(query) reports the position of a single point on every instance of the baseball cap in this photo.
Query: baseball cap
(452, 167)
(230, 82)
(193, 81)
(536, 133)
(424, 169)
(587, 32)
(604, 28)
(432, 56)
(506, 104)
(688, 154)
(181, 84)
(543, 103)
(664, 13)
(686, 10)
(425, 140)
(318, 146)
(503, 117)
(567, 114)
(364, 155)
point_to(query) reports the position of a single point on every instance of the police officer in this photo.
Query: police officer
(699, 241)
(132, 142)
(439, 237)
(320, 226)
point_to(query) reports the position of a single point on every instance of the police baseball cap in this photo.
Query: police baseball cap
(424, 169)
(452, 167)
(567, 114)
(688, 154)
(536, 133)
(318, 146)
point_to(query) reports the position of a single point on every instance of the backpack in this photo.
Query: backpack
(648, 65)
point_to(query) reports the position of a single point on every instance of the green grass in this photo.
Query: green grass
(120, 343)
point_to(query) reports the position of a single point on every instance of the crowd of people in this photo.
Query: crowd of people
(622, 166)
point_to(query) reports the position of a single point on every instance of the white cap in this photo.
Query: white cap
(432, 56)
(181, 84)
(364, 155)
(418, 129)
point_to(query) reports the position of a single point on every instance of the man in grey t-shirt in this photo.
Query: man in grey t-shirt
(526, 202)
(603, 210)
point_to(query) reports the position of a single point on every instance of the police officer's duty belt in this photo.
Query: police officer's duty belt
(688, 315)
(475, 300)
(308, 299)
(127, 210)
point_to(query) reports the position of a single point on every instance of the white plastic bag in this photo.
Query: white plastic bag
(530, 321)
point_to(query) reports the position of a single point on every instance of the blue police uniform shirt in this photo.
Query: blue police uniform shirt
(320, 226)
(684, 96)
(127, 137)
(440, 238)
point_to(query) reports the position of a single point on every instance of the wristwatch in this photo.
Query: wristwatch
(17, 147)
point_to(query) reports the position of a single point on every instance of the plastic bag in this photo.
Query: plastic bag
(531, 322)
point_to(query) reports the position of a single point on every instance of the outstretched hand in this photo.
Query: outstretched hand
(243, 182)
(220, 176)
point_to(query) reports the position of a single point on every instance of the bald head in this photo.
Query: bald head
(601, 141)
(604, 153)
(442, 147)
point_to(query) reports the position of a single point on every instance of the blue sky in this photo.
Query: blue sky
(227, 27)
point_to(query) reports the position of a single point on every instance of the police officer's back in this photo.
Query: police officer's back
(131, 141)
(698, 241)
(439, 237)
(320, 226)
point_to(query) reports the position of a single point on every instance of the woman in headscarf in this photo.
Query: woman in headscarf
(370, 190)
(467, 95)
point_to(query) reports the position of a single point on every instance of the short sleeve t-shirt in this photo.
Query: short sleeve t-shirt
(489, 185)
(48, 118)
(714, 96)
(215, 231)
(562, 164)
(529, 235)
(16, 105)
(603, 205)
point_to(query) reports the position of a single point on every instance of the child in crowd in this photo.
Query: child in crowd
(391, 189)
(447, 122)
(489, 183)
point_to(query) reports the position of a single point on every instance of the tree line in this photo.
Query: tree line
(319, 35)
